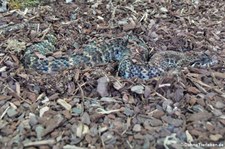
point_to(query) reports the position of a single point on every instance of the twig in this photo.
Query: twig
(18, 95)
(210, 87)
(103, 111)
(3, 114)
(82, 97)
(39, 143)
(161, 96)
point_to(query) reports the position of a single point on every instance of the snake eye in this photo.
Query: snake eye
(117, 53)
(204, 61)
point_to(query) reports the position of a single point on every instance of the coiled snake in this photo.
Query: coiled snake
(116, 50)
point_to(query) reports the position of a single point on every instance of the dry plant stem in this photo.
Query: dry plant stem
(82, 97)
(3, 114)
(161, 96)
(14, 93)
(39, 143)
(209, 87)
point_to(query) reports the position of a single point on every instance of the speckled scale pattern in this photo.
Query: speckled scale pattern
(114, 51)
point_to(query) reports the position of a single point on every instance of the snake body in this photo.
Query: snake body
(113, 51)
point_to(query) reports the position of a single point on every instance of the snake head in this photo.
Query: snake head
(204, 61)
(119, 50)
(119, 53)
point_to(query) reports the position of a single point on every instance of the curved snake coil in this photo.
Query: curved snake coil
(114, 51)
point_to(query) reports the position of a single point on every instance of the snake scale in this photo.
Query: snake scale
(114, 51)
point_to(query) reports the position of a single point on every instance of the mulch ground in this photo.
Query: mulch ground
(94, 108)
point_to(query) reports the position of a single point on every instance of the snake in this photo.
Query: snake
(116, 50)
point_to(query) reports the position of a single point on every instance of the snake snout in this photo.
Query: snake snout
(205, 61)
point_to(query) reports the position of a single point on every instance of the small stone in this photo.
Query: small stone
(217, 112)
(86, 118)
(158, 114)
(32, 119)
(163, 9)
(219, 105)
(137, 128)
(154, 122)
(69, 1)
(11, 112)
(128, 111)
(39, 130)
(75, 44)
(139, 89)
(77, 111)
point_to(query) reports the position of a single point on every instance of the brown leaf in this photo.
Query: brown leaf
(30, 95)
(192, 101)
(193, 90)
(158, 114)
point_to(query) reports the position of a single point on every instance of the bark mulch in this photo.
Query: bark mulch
(94, 108)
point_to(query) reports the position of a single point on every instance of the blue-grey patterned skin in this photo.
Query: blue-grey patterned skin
(113, 51)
